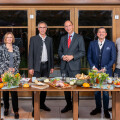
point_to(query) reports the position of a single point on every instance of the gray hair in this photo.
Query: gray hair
(41, 23)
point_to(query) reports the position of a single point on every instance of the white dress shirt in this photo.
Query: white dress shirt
(71, 36)
(101, 43)
(44, 57)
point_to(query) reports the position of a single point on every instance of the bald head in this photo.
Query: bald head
(68, 25)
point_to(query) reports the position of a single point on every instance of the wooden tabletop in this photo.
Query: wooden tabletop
(73, 88)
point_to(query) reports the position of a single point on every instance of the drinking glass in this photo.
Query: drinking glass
(115, 76)
(63, 76)
(23, 76)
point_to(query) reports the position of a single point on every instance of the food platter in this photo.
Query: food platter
(82, 77)
(117, 83)
(58, 83)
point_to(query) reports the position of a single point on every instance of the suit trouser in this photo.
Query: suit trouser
(69, 73)
(14, 96)
(105, 99)
(43, 73)
(117, 71)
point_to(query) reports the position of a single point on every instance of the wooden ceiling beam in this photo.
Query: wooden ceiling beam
(53, 2)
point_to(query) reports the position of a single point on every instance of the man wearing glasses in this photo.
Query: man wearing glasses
(41, 59)
(71, 50)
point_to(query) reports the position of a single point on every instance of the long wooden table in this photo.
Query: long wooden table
(75, 90)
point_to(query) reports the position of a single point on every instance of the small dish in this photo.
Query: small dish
(117, 85)
(39, 83)
(41, 78)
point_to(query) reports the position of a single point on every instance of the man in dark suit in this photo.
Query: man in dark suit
(71, 49)
(101, 57)
(41, 59)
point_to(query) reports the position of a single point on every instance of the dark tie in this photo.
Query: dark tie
(69, 41)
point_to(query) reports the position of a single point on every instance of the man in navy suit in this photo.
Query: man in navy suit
(101, 57)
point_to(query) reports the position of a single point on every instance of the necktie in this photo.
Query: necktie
(69, 41)
(100, 46)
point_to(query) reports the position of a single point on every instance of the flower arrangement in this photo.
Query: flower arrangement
(11, 79)
(98, 77)
(102, 77)
(93, 75)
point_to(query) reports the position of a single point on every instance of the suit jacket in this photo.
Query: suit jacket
(5, 59)
(35, 52)
(77, 49)
(108, 55)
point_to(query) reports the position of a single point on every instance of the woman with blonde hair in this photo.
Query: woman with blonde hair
(9, 61)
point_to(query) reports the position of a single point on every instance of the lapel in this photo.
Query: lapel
(96, 48)
(39, 43)
(66, 41)
(14, 52)
(47, 44)
(6, 52)
(39, 40)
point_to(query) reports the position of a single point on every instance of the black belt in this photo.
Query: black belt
(44, 62)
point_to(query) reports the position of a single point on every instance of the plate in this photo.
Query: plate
(39, 83)
(41, 78)
(117, 85)
(25, 79)
(57, 78)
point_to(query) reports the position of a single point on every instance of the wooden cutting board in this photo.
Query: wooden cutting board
(58, 87)
(40, 86)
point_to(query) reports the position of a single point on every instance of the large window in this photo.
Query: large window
(88, 23)
(55, 20)
(16, 21)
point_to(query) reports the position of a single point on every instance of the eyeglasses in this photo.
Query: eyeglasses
(42, 27)
(9, 37)
(67, 26)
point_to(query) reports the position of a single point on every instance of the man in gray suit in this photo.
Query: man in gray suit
(41, 59)
(71, 50)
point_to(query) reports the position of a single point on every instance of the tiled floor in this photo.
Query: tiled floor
(25, 109)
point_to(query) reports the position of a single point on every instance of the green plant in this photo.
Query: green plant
(93, 75)
(102, 77)
(11, 79)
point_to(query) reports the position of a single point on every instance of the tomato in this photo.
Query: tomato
(54, 81)
(118, 83)
(0, 79)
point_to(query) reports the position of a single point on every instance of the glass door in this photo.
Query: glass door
(88, 20)
(16, 21)
(55, 18)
